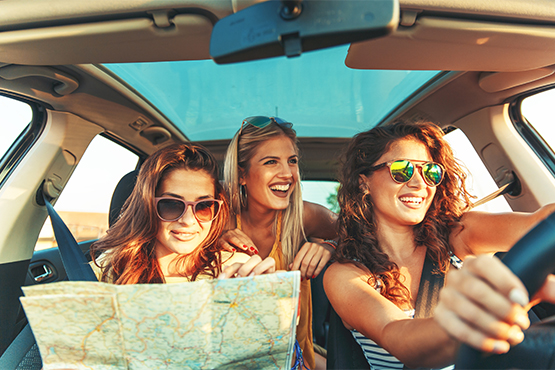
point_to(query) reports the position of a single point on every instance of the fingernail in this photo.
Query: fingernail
(245, 247)
(500, 347)
(519, 297)
(522, 320)
(251, 274)
(302, 279)
(222, 276)
(515, 335)
(255, 251)
(313, 276)
(233, 250)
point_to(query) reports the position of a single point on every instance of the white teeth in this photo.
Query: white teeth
(414, 200)
(281, 187)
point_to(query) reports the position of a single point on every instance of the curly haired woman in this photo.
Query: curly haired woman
(403, 201)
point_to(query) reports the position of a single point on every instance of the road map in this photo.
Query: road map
(241, 323)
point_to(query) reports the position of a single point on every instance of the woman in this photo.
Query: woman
(170, 224)
(269, 217)
(403, 200)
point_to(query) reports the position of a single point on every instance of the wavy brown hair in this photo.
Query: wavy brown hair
(357, 223)
(128, 248)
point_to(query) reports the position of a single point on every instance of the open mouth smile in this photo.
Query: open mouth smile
(412, 200)
(280, 188)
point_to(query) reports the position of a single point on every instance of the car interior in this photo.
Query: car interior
(76, 70)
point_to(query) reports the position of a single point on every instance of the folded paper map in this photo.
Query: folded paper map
(243, 323)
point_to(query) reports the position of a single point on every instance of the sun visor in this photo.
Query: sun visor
(181, 37)
(434, 43)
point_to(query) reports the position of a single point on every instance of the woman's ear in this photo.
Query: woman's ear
(242, 176)
(363, 183)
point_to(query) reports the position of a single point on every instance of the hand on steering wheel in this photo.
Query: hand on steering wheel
(531, 259)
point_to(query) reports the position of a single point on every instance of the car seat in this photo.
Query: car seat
(343, 351)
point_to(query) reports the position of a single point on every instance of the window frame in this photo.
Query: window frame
(21, 146)
(527, 131)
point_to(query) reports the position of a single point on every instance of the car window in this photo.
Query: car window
(15, 121)
(321, 192)
(479, 181)
(539, 111)
(85, 201)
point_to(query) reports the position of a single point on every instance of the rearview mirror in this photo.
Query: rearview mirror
(275, 28)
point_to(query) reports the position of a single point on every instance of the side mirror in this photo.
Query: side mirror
(275, 28)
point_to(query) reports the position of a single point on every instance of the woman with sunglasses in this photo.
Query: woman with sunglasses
(403, 201)
(269, 217)
(170, 224)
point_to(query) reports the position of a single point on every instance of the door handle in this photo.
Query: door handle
(45, 275)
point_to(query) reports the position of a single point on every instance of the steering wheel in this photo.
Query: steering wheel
(532, 258)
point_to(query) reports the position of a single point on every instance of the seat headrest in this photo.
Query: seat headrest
(121, 193)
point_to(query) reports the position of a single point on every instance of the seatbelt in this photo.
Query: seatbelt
(76, 265)
(428, 291)
(77, 269)
(509, 187)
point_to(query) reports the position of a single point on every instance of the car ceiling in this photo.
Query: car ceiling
(507, 47)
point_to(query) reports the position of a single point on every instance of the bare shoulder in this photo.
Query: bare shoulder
(338, 275)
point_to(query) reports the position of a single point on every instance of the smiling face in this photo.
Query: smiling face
(400, 204)
(272, 175)
(185, 234)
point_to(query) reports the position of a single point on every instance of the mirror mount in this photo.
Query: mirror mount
(291, 27)
(291, 9)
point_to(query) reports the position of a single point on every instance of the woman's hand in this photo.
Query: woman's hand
(253, 266)
(311, 259)
(485, 305)
(236, 239)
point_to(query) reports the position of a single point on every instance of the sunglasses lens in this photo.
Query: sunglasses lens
(170, 209)
(207, 210)
(258, 121)
(433, 173)
(402, 171)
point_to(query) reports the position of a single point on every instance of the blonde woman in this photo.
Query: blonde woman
(268, 215)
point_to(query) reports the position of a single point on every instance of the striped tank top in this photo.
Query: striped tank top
(377, 357)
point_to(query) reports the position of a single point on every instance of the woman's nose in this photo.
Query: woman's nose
(286, 171)
(188, 217)
(417, 180)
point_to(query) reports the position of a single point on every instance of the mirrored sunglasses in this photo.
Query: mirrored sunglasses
(403, 170)
(172, 209)
(263, 121)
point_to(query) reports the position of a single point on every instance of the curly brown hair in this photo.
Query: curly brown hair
(357, 224)
(128, 248)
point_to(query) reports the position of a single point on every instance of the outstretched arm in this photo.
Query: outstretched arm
(415, 342)
(482, 232)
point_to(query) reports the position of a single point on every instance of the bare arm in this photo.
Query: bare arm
(482, 232)
(319, 224)
(415, 342)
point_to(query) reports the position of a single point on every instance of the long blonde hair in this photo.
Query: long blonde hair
(239, 153)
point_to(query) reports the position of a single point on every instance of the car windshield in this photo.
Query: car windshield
(316, 91)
